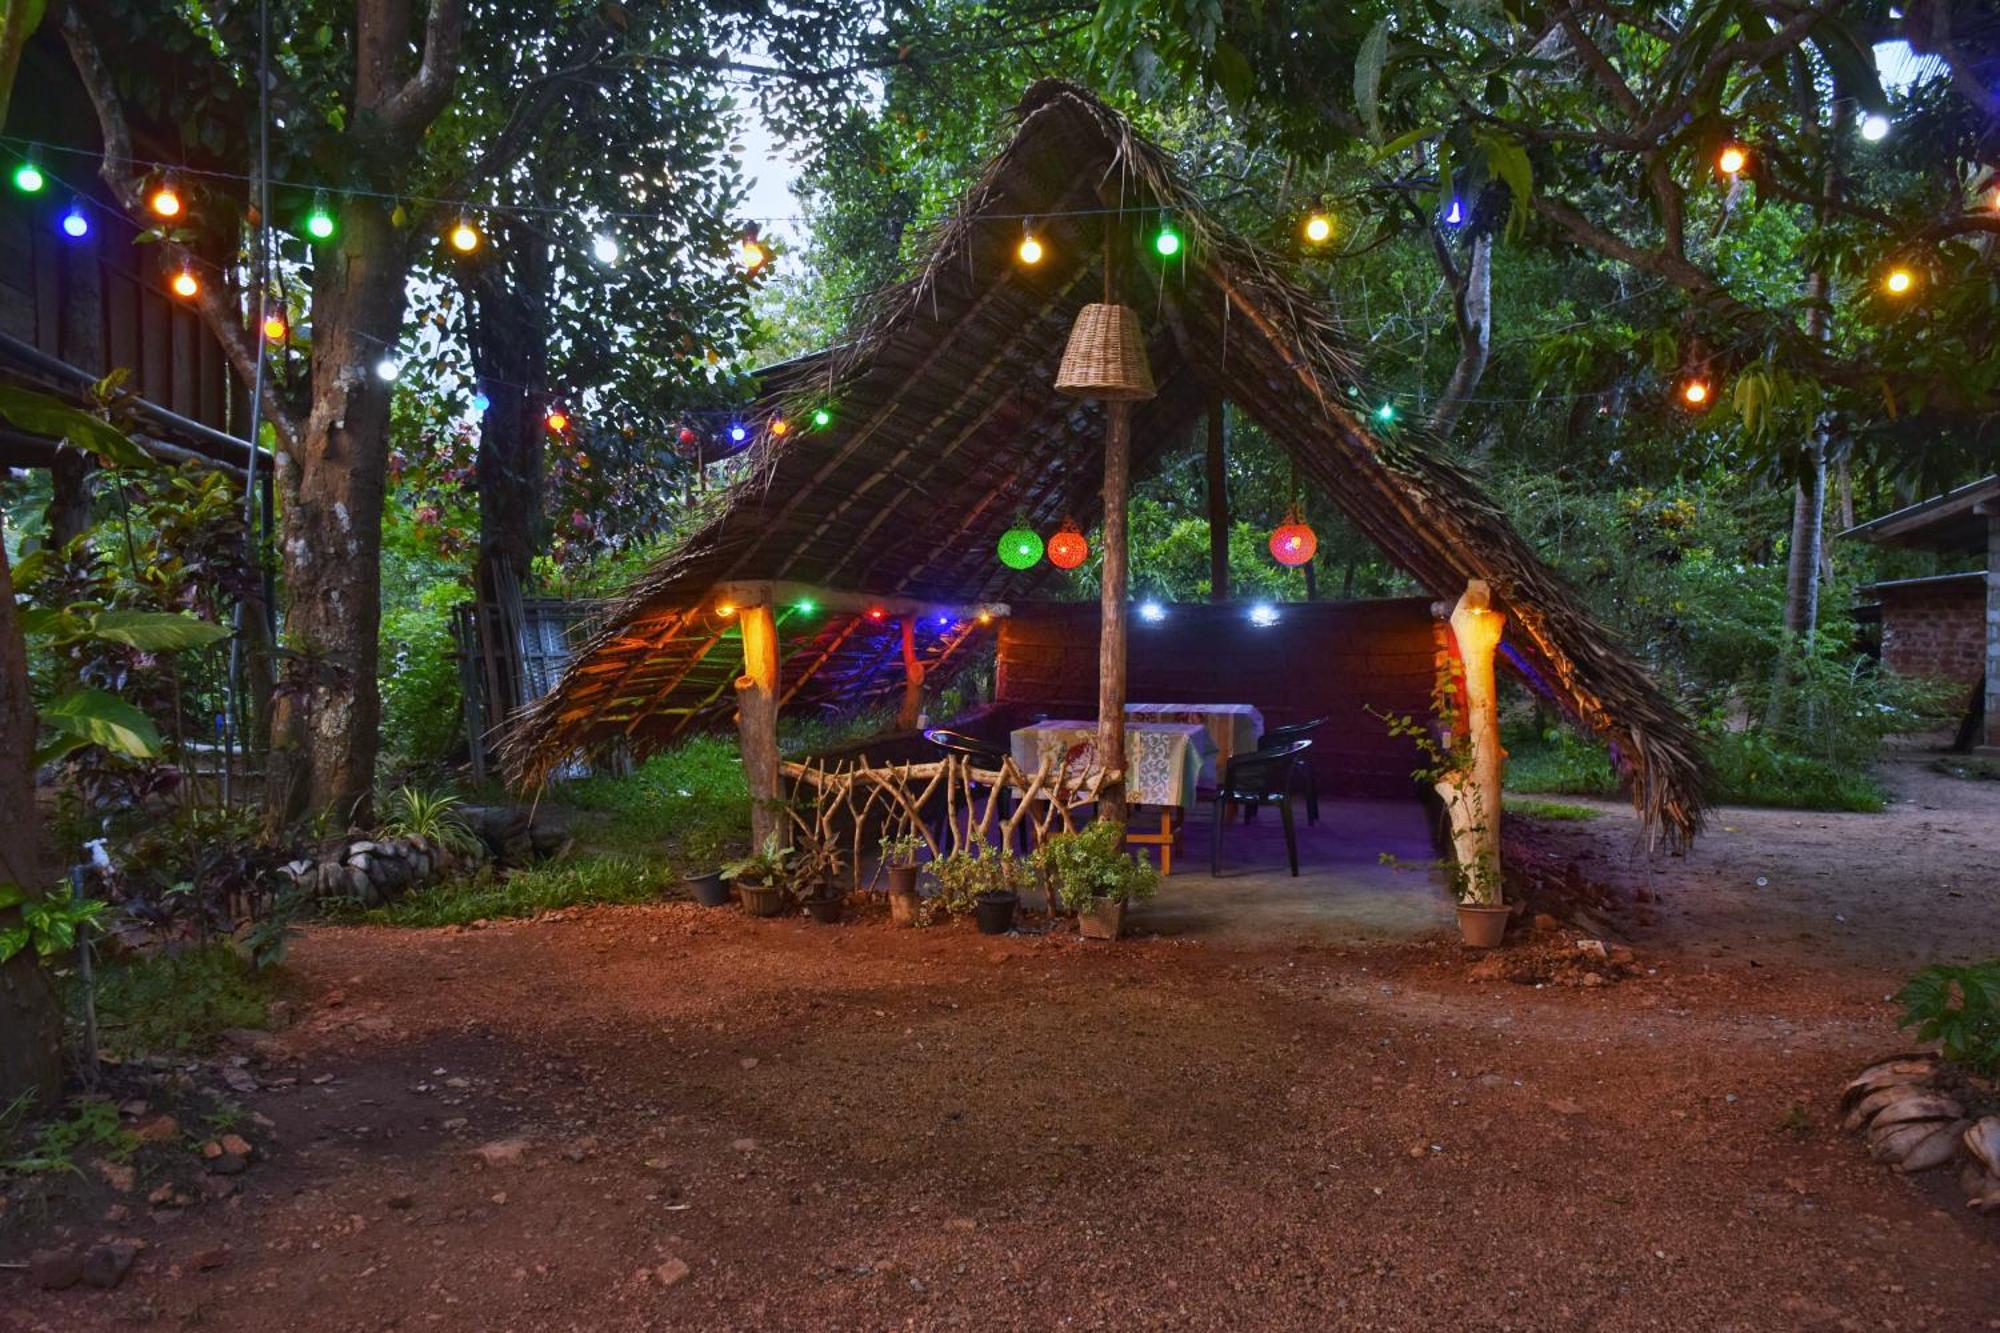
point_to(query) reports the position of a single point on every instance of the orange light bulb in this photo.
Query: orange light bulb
(274, 328)
(1731, 160)
(186, 284)
(1694, 393)
(1899, 282)
(165, 202)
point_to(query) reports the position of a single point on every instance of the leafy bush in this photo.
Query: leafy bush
(1959, 1008)
(89, 1126)
(1750, 769)
(491, 894)
(421, 703)
(180, 1002)
(1085, 866)
(1558, 760)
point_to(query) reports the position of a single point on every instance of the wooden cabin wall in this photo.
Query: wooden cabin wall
(1336, 659)
(98, 303)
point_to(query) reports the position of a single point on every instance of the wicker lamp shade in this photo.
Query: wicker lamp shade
(1106, 356)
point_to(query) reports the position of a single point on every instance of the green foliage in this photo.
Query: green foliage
(49, 923)
(1090, 864)
(695, 788)
(1752, 769)
(771, 864)
(1560, 761)
(88, 1127)
(964, 875)
(431, 817)
(180, 1002)
(1958, 1007)
(494, 894)
(901, 850)
(422, 721)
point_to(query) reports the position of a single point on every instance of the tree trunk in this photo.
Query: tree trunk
(30, 1020)
(508, 333)
(327, 710)
(1802, 569)
(1217, 462)
(1473, 312)
(1111, 620)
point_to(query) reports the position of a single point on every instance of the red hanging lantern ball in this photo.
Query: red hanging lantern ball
(1294, 542)
(1068, 549)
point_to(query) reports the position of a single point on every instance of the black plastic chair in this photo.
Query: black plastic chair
(984, 753)
(957, 742)
(1262, 777)
(1277, 736)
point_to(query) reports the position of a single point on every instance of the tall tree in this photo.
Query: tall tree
(30, 1021)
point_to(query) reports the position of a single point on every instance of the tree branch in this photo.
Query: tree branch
(419, 101)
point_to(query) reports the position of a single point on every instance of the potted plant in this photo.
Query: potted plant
(899, 855)
(1088, 873)
(980, 881)
(817, 875)
(701, 851)
(763, 878)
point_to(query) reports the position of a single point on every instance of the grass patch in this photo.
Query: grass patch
(179, 1002)
(1530, 808)
(492, 895)
(1968, 767)
(1749, 770)
(87, 1126)
(688, 804)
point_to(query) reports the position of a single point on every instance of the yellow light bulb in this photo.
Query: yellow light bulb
(725, 608)
(464, 238)
(1899, 282)
(754, 256)
(1695, 392)
(165, 202)
(1731, 160)
(274, 328)
(1030, 251)
(1319, 228)
(186, 284)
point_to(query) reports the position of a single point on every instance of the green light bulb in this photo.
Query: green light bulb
(822, 418)
(28, 178)
(1386, 412)
(1167, 242)
(319, 224)
(804, 606)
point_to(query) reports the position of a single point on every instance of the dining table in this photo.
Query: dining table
(1232, 728)
(1164, 764)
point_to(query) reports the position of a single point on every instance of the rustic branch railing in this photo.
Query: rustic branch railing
(845, 795)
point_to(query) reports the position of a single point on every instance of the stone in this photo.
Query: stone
(228, 1164)
(744, 1145)
(1544, 923)
(163, 1197)
(671, 1272)
(400, 1202)
(581, 1148)
(1592, 949)
(236, 1143)
(55, 1270)
(501, 1152)
(363, 846)
(205, 1261)
(361, 861)
(117, 1214)
(117, 1175)
(157, 1129)
(105, 1266)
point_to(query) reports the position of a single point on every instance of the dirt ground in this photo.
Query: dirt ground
(695, 1120)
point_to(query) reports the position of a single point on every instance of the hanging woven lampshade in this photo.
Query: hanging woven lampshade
(1106, 356)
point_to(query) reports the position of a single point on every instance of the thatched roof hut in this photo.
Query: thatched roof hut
(945, 428)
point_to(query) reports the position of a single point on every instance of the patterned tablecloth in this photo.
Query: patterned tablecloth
(1232, 728)
(1164, 760)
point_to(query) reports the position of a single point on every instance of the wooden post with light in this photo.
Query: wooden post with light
(1472, 795)
(757, 717)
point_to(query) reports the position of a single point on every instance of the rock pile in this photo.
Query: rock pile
(374, 870)
(1918, 1113)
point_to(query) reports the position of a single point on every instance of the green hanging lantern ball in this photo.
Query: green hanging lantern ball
(1020, 548)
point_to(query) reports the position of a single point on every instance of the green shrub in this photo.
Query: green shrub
(492, 894)
(179, 1002)
(1751, 770)
(421, 704)
(1529, 808)
(1559, 760)
(1959, 1008)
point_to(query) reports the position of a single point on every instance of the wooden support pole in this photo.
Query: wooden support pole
(913, 678)
(1472, 796)
(757, 719)
(1111, 627)
(1218, 502)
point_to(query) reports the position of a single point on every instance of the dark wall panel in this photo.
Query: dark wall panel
(1337, 659)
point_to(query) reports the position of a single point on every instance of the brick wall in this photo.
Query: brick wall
(1336, 659)
(1935, 628)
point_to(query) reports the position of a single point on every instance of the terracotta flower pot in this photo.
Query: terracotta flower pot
(761, 899)
(902, 879)
(825, 908)
(1481, 927)
(708, 890)
(1104, 919)
(903, 906)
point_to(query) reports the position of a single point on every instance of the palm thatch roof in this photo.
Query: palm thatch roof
(946, 428)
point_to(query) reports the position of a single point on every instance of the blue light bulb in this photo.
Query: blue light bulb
(737, 434)
(480, 402)
(74, 224)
